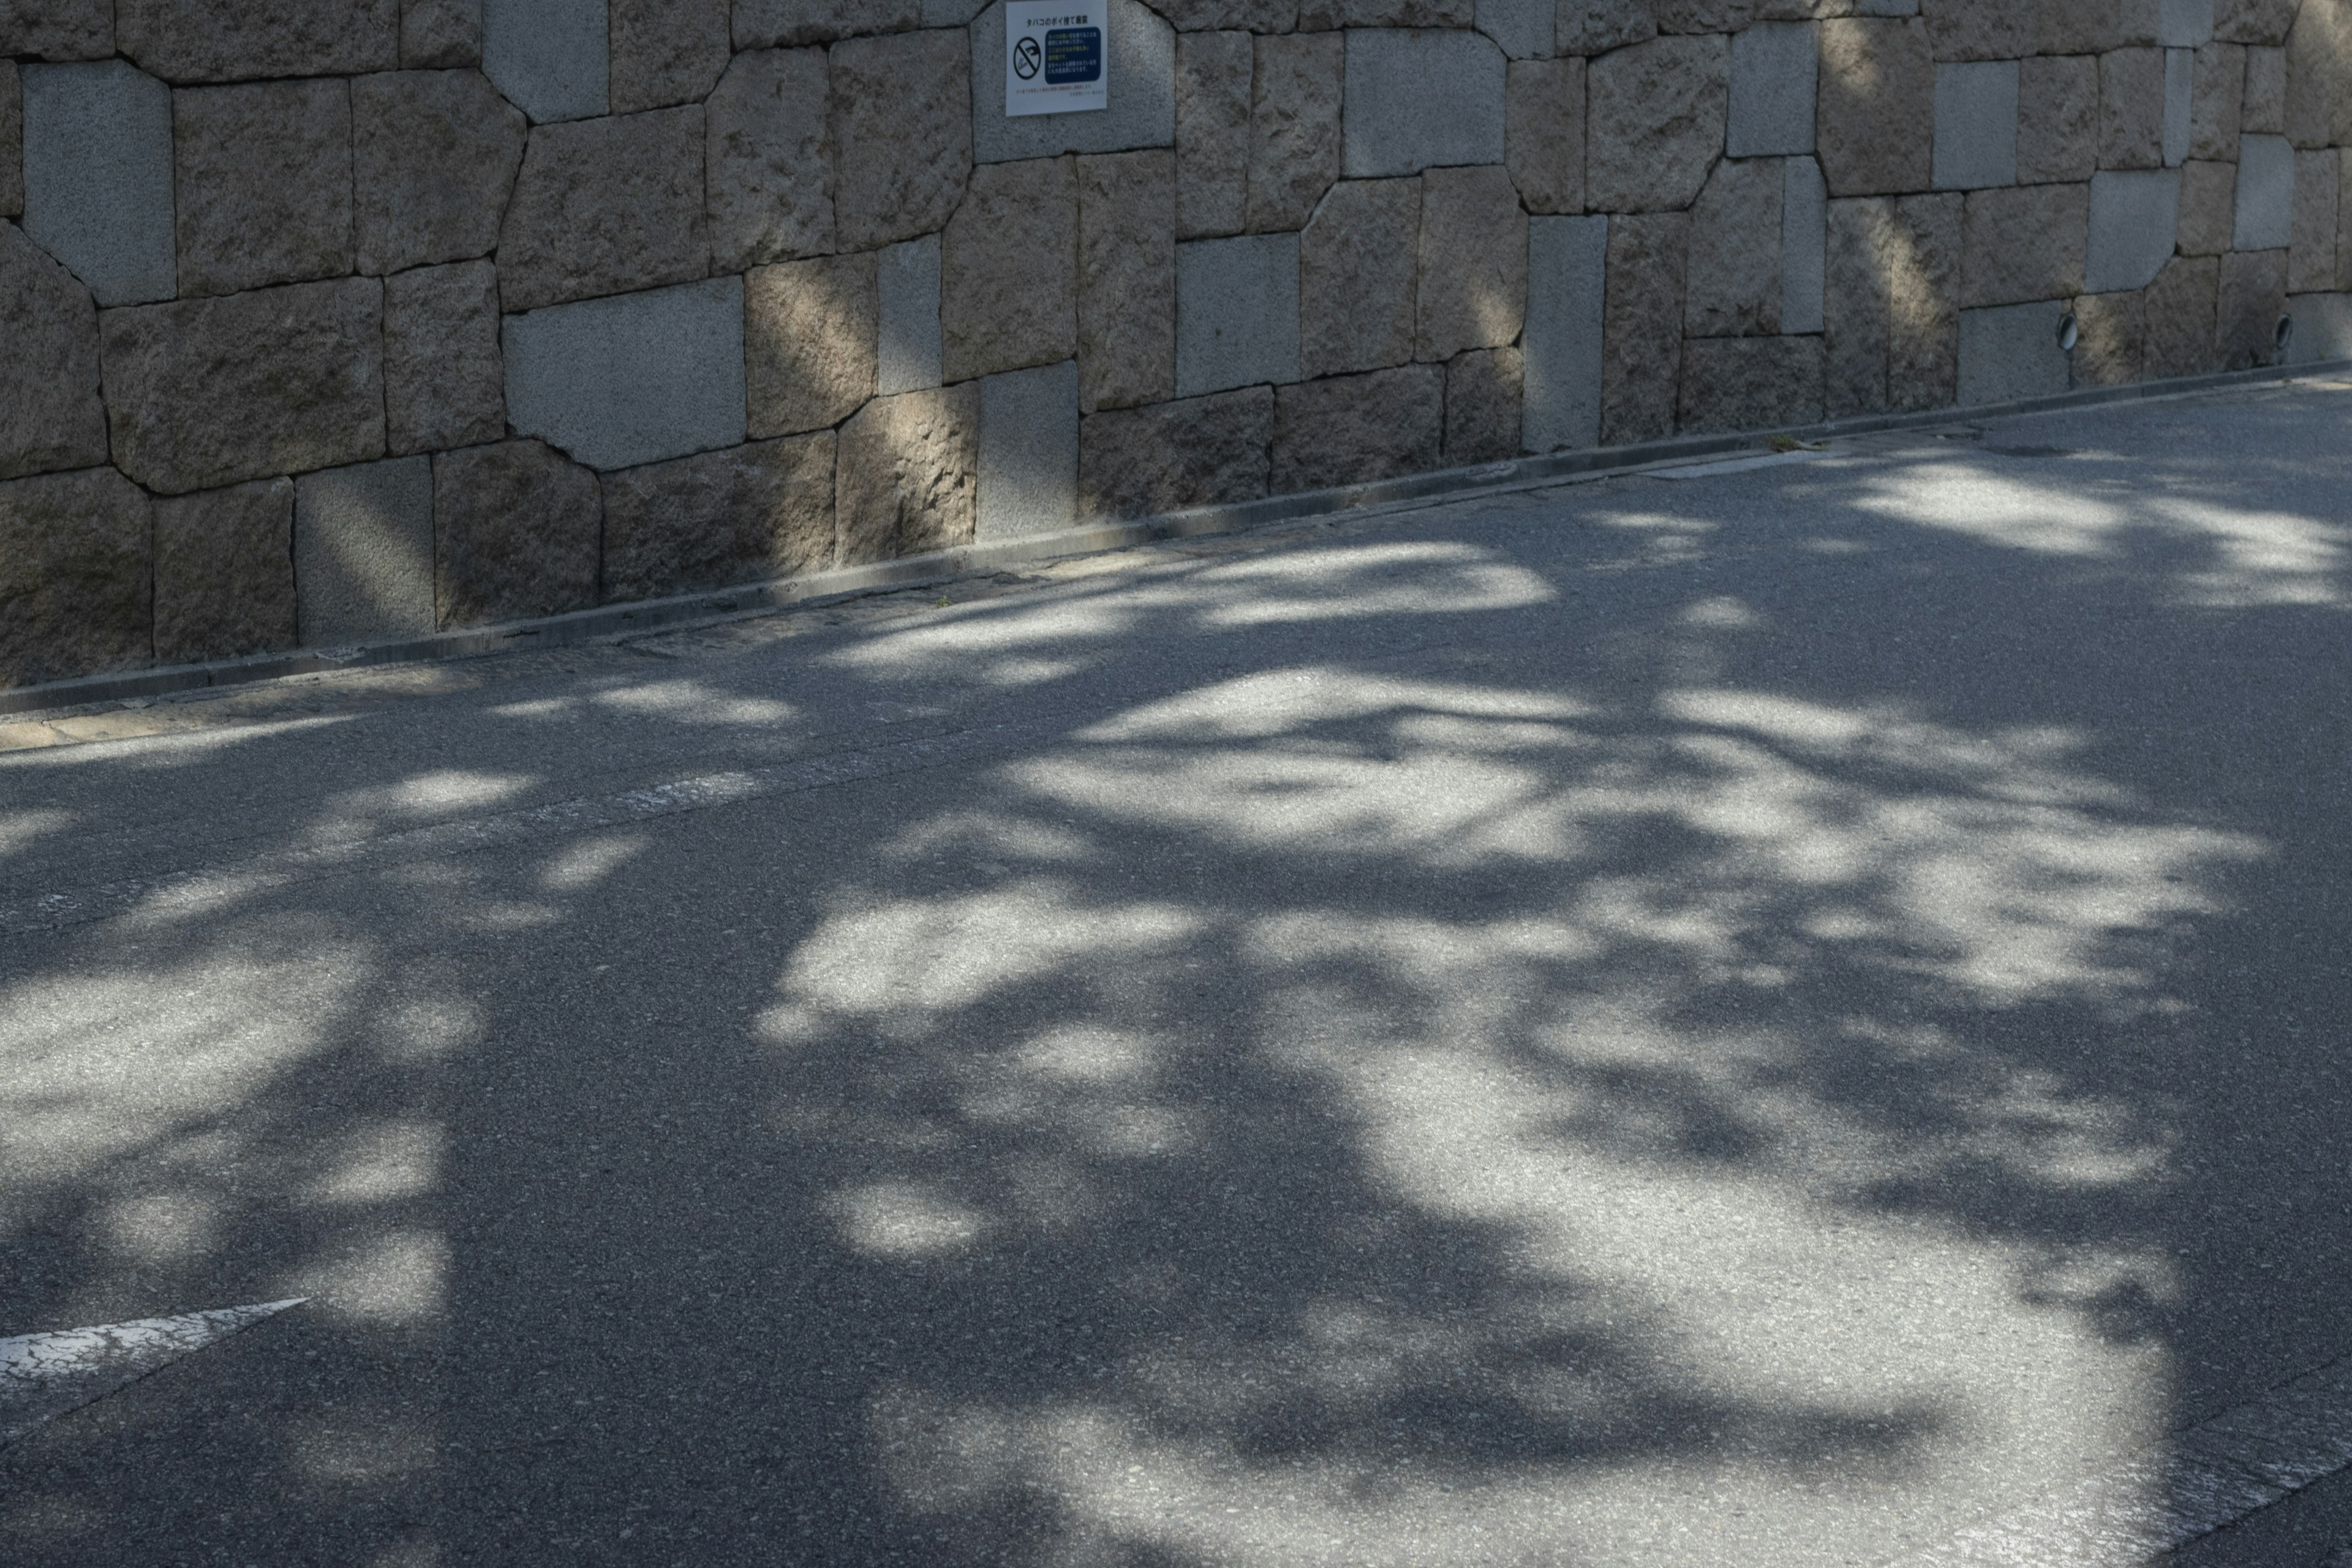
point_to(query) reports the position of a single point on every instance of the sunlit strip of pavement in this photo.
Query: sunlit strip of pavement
(43, 1376)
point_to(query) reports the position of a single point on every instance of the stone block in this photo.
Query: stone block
(77, 558)
(905, 475)
(907, 347)
(1858, 254)
(1774, 71)
(98, 178)
(12, 140)
(1239, 15)
(1750, 383)
(770, 165)
(1008, 270)
(1127, 280)
(553, 59)
(1655, 122)
(2217, 96)
(2011, 352)
(444, 377)
(2024, 244)
(1876, 76)
(1028, 473)
(50, 413)
(605, 207)
(2252, 299)
(2262, 106)
(2131, 108)
(765, 23)
(1977, 125)
(2108, 346)
(2179, 105)
(1641, 337)
(225, 572)
(1295, 146)
(2254, 21)
(1213, 73)
(1803, 217)
(631, 378)
(58, 29)
(1562, 347)
(519, 533)
(2178, 318)
(811, 331)
(2184, 23)
(1324, 15)
(363, 552)
(2135, 218)
(1423, 100)
(1237, 312)
(2311, 262)
(1923, 283)
(1597, 26)
(1473, 288)
(2318, 106)
(746, 514)
(1543, 134)
(204, 392)
(1732, 274)
(1198, 451)
(2322, 328)
(1482, 406)
(1351, 429)
(440, 34)
(233, 40)
(1142, 111)
(1981, 29)
(2208, 203)
(262, 178)
(901, 111)
(2343, 223)
(1357, 265)
(663, 52)
(2266, 206)
(434, 155)
(1522, 29)
(1706, 15)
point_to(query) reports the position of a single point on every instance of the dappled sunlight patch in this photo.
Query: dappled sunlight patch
(385, 1161)
(903, 1218)
(1960, 497)
(157, 1229)
(584, 862)
(2260, 558)
(396, 1277)
(692, 702)
(1368, 580)
(1284, 702)
(20, 829)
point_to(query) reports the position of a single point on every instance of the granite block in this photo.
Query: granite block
(224, 573)
(98, 178)
(1561, 346)
(552, 58)
(1028, 465)
(1774, 68)
(631, 378)
(1196, 451)
(1237, 312)
(1423, 100)
(363, 552)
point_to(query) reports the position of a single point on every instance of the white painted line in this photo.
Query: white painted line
(42, 1376)
(1732, 466)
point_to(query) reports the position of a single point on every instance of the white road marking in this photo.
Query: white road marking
(1732, 466)
(42, 1376)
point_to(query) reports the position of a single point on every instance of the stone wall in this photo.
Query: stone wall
(323, 320)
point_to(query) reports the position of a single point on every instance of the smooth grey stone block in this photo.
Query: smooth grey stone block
(1522, 29)
(2135, 216)
(98, 178)
(1237, 312)
(953, 12)
(2179, 83)
(2266, 216)
(2009, 351)
(1774, 69)
(1418, 101)
(1142, 89)
(631, 378)
(1975, 125)
(363, 552)
(2184, 23)
(1804, 238)
(550, 57)
(1028, 451)
(1567, 276)
(907, 356)
(2322, 328)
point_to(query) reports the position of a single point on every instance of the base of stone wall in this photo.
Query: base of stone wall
(611, 621)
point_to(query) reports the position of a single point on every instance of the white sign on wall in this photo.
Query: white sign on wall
(1057, 56)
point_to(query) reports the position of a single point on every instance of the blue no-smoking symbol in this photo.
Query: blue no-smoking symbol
(1026, 56)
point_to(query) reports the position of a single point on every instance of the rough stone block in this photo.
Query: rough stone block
(1008, 269)
(76, 556)
(518, 532)
(203, 392)
(1641, 334)
(12, 140)
(1750, 383)
(2024, 244)
(1357, 265)
(1142, 111)
(2265, 209)
(1732, 275)
(1482, 406)
(2131, 108)
(2179, 105)
(440, 34)
(1655, 122)
(1893, 298)
(1522, 29)
(2262, 106)
(2217, 96)
(2135, 218)
(263, 181)
(764, 24)
(631, 378)
(1198, 451)
(1473, 288)
(50, 415)
(2012, 352)
(1562, 347)
(2208, 203)
(901, 110)
(2179, 308)
(98, 178)
(2254, 21)
(1981, 29)
(746, 514)
(1597, 26)
(1127, 280)
(434, 155)
(58, 29)
(770, 165)
(2107, 347)
(1213, 73)
(553, 59)
(1876, 78)
(2184, 23)
(229, 40)
(1028, 452)
(907, 347)
(224, 573)
(1423, 100)
(1803, 217)
(1977, 125)
(444, 377)
(2318, 106)
(663, 52)
(363, 552)
(809, 336)
(2252, 299)
(605, 207)
(1543, 134)
(2343, 223)
(2312, 264)
(1349, 429)
(1294, 121)
(1774, 68)
(1324, 15)
(1241, 15)
(1706, 15)
(905, 475)
(1237, 312)
(2323, 327)
(1859, 250)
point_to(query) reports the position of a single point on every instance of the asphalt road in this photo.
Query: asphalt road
(1767, 1019)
